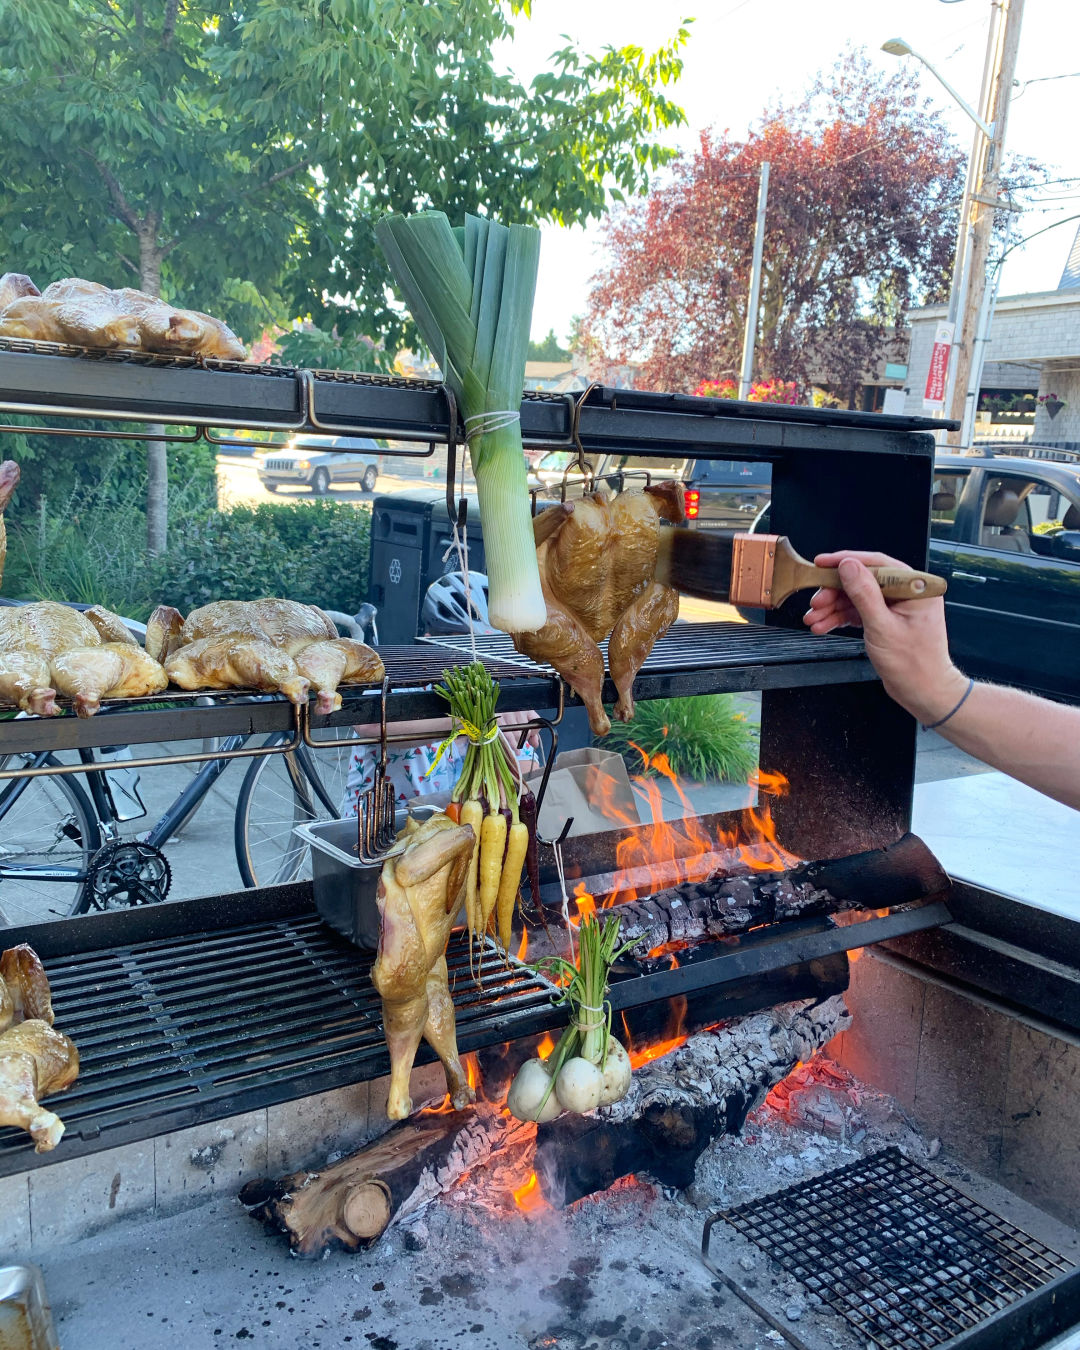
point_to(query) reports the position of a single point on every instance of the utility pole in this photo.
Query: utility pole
(1004, 45)
(754, 301)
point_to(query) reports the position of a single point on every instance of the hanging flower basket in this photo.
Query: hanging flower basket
(1052, 404)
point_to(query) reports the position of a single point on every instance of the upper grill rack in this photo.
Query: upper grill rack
(183, 1029)
(689, 659)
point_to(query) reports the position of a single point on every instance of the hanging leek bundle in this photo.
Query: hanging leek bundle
(471, 291)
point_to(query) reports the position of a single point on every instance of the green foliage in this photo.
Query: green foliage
(237, 156)
(704, 738)
(314, 349)
(89, 548)
(315, 552)
(549, 349)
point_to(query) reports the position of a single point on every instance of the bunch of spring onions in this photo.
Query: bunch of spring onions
(589, 1067)
(490, 796)
(471, 291)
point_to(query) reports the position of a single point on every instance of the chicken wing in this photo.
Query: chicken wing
(23, 979)
(419, 893)
(35, 1060)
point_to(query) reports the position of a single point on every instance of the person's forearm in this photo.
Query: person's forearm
(1030, 738)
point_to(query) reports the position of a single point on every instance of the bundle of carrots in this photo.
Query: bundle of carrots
(491, 797)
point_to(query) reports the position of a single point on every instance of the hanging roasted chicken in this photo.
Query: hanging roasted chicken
(9, 481)
(48, 649)
(35, 1059)
(87, 314)
(272, 645)
(597, 562)
(420, 892)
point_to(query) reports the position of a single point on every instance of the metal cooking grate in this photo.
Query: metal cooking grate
(420, 664)
(189, 1028)
(904, 1257)
(695, 646)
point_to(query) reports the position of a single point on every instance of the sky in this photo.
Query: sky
(743, 53)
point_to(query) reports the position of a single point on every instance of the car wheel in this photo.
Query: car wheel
(370, 478)
(320, 482)
(270, 487)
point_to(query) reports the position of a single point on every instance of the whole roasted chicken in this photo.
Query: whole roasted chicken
(35, 1060)
(269, 644)
(420, 892)
(48, 649)
(597, 561)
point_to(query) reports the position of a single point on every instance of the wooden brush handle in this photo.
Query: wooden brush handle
(897, 583)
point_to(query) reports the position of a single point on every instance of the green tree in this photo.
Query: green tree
(235, 156)
(549, 349)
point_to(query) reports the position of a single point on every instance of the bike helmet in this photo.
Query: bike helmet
(446, 606)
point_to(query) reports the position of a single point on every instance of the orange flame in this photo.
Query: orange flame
(545, 1047)
(523, 949)
(472, 1071)
(528, 1196)
(674, 1036)
(586, 904)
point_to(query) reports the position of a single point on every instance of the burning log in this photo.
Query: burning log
(350, 1204)
(679, 1104)
(675, 1107)
(879, 879)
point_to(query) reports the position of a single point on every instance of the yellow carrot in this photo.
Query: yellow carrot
(492, 843)
(516, 848)
(472, 813)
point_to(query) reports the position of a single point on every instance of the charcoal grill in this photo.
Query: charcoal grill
(909, 1261)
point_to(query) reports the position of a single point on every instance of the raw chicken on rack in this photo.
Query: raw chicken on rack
(47, 649)
(270, 644)
(597, 562)
(35, 1059)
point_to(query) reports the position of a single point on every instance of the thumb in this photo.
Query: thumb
(863, 591)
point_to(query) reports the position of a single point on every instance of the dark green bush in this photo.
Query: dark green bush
(704, 738)
(312, 551)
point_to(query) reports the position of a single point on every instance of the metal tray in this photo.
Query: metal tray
(25, 1319)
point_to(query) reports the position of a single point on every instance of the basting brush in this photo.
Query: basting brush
(760, 571)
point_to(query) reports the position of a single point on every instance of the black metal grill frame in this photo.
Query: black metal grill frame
(178, 1028)
(877, 1238)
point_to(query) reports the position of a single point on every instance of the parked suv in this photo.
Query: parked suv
(320, 461)
(719, 493)
(1005, 533)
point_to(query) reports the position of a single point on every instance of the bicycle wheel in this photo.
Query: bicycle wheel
(280, 792)
(44, 822)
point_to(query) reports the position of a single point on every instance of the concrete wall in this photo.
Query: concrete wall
(1061, 378)
(1002, 1094)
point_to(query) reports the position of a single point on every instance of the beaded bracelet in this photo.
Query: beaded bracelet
(942, 720)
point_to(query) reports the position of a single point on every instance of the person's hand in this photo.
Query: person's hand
(509, 720)
(905, 639)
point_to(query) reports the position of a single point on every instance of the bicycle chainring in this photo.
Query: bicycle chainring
(125, 874)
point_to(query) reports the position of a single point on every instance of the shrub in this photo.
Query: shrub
(704, 738)
(312, 551)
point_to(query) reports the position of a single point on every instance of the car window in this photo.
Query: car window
(1005, 522)
(655, 466)
(943, 503)
(731, 473)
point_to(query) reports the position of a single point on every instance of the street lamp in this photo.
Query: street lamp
(898, 47)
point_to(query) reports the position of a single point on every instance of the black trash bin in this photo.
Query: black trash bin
(409, 536)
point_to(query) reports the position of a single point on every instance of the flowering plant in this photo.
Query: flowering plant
(764, 391)
(1051, 398)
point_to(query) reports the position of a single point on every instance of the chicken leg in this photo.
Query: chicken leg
(236, 662)
(342, 661)
(564, 644)
(26, 683)
(35, 1060)
(113, 670)
(632, 638)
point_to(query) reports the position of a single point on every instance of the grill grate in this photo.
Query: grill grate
(696, 646)
(904, 1257)
(193, 1027)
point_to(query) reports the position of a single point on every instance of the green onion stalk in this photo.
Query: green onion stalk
(585, 987)
(487, 773)
(471, 293)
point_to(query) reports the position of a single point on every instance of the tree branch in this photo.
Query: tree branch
(168, 28)
(123, 208)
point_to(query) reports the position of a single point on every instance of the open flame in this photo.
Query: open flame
(674, 1035)
(528, 1195)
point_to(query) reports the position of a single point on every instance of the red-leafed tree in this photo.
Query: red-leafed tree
(864, 190)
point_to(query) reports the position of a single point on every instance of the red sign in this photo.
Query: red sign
(937, 375)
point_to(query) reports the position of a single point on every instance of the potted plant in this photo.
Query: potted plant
(1052, 404)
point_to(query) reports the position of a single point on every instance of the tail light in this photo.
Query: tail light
(692, 502)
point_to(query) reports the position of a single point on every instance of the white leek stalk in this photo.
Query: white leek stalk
(471, 293)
